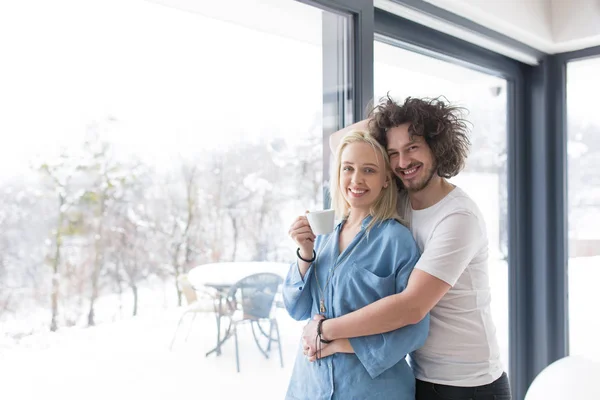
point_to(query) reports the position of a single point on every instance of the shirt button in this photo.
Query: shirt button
(300, 288)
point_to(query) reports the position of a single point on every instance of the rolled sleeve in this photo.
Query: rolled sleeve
(295, 278)
(296, 293)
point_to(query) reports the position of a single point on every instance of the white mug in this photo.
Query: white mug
(321, 222)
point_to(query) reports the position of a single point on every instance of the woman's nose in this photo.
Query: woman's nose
(357, 177)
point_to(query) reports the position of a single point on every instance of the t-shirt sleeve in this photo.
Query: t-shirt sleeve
(453, 245)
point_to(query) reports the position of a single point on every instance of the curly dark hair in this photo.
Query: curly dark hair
(442, 125)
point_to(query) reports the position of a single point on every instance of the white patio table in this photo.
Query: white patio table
(221, 276)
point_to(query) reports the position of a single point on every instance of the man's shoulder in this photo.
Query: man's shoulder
(455, 202)
(460, 213)
(456, 210)
(458, 201)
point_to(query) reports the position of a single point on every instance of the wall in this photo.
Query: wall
(552, 26)
(575, 24)
(528, 21)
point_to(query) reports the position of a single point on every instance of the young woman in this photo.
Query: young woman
(369, 256)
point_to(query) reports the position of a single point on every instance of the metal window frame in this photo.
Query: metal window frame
(561, 192)
(361, 58)
(435, 13)
(546, 336)
(546, 280)
(340, 107)
(590, 52)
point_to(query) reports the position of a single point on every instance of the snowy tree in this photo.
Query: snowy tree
(128, 235)
(177, 219)
(109, 180)
(61, 179)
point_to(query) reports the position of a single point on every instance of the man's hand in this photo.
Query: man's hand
(337, 346)
(336, 137)
(309, 335)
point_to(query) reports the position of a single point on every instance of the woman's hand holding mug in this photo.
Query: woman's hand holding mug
(302, 234)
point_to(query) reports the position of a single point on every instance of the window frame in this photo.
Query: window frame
(561, 62)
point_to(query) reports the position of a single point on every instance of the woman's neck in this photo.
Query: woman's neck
(356, 217)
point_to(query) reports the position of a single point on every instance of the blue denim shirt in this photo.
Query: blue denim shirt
(373, 266)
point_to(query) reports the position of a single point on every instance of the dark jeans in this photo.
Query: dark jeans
(497, 390)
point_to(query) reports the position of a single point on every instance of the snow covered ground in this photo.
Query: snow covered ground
(131, 358)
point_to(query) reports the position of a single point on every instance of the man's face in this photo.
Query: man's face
(411, 159)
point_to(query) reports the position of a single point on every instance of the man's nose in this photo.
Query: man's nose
(402, 162)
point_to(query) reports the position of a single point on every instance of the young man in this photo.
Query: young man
(427, 143)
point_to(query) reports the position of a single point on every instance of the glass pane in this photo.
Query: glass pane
(403, 73)
(583, 150)
(149, 140)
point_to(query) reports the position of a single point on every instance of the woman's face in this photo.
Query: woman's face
(362, 175)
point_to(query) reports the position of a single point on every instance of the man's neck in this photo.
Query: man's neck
(436, 190)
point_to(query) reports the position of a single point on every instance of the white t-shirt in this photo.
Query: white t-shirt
(462, 349)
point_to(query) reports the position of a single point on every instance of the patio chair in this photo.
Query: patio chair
(251, 300)
(202, 301)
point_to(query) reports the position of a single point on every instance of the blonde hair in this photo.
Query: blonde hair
(384, 207)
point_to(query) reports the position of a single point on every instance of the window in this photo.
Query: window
(583, 152)
(403, 73)
(148, 138)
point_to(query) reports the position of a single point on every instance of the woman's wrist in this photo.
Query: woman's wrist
(304, 262)
(305, 254)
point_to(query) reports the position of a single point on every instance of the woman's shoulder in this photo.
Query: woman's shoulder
(393, 228)
(394, 238)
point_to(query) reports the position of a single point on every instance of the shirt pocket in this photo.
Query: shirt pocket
(366, 287)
